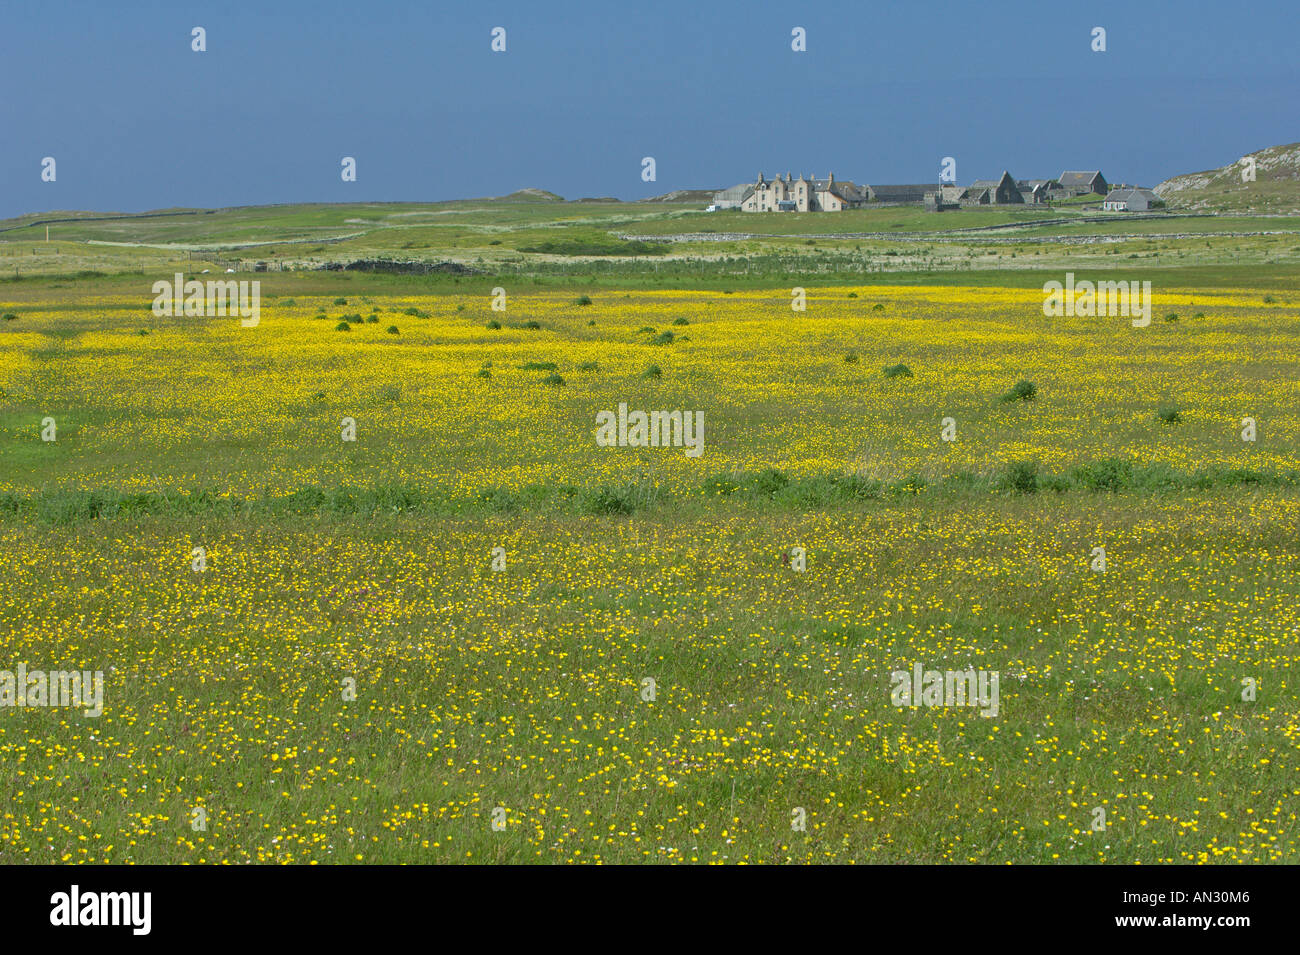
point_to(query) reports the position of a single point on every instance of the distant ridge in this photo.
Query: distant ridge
(1276, 187)
(531, 195)
(685, 195)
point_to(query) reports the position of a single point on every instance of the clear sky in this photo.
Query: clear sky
(712, 90)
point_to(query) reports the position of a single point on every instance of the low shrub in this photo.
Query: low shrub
(1021, 477)
(1023, 391)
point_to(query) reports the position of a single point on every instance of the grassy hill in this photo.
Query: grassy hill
(532, 195)
(1276, 187)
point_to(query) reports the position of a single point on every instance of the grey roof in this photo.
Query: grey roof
(844, 188)
(993, 183)
(1125, 195)
(736, 193)
(1076, 178)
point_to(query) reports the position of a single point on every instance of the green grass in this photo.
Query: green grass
(770, 694)
(771, 487)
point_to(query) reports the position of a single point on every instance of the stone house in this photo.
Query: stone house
(993, 192)
(1129, 200)
(805, 194)
(1082, 183)
(1036, 191)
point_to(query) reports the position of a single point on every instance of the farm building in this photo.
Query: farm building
(902, 193)
(809, 194)
(1082, 183)
(733, 198)
(805, 194)
(993, 192)
(1129, 200)
(1036, 190)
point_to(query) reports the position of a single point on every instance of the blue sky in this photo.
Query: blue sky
(713, 91)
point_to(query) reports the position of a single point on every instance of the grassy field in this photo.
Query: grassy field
(641, 244)
(523, 689)
(350, 678)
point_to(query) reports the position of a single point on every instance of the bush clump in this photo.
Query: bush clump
(342, 327)
(1021, 477)
(607, 500)
(898, 371)
(654, 371)
(1023, 391)
(1109, 474)
(1169, 414)
(769, 481)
